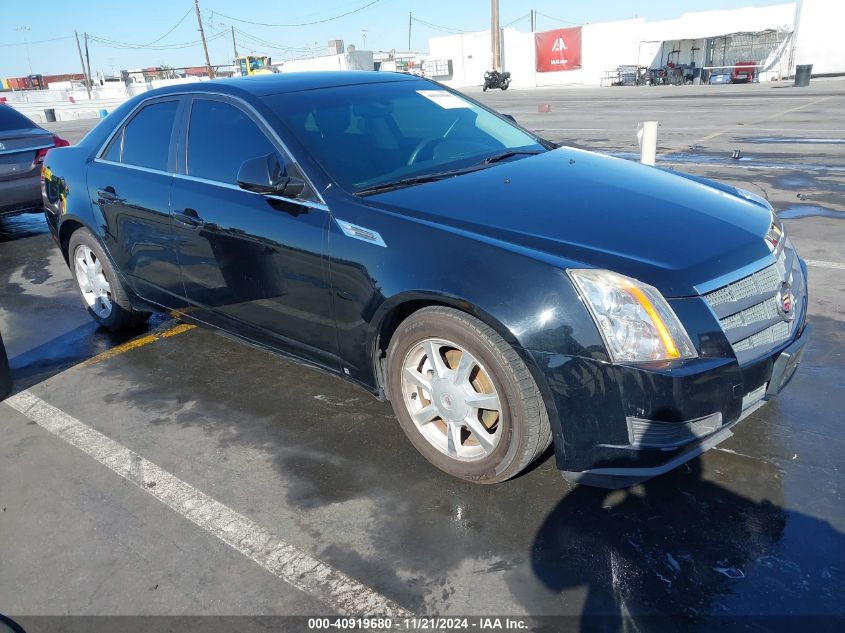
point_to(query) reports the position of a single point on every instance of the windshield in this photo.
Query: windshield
(371, 134)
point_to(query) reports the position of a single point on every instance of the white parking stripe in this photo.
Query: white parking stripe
(821, 264)
(303, 571)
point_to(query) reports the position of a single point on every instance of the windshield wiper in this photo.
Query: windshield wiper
(416, 180)
(440, 175)
(511, 152)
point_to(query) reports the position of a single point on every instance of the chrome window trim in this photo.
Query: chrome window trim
(137, 167)
(226, 185)
(214, 93)
(119, 127)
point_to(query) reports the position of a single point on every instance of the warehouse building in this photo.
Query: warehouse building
(746, 44)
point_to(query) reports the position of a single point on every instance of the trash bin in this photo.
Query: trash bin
(5, 373)
(50, 114)
(802, 74)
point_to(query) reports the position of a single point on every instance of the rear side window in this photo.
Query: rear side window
(146, 138)
(11, 119)
(220, 138)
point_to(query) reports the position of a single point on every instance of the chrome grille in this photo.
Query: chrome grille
(764, 311)
(748, 309)
(769, 337)
(757, 283)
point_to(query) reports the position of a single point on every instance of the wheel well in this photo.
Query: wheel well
(65, 231)
(399, 313)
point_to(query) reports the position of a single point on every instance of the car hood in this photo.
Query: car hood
(672, 231)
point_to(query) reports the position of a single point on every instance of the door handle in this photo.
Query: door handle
(107, 195)
(189, 217)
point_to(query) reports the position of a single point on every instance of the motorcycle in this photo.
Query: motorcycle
(495, 79)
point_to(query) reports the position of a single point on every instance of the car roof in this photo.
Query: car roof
(262, 85)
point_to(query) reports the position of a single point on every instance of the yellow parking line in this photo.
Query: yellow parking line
(136, 343)
(749, 126)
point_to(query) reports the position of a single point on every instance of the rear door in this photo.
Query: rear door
(251, 263)
(130, 182)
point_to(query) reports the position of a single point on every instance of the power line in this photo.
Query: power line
(323, 21)
(175, 26)
(161, 47)
(554, 19)
(437, 27)
(137, 45)
(268, 44)
(519, 19)
(28, 42)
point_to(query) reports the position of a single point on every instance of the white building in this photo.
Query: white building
(775, 38)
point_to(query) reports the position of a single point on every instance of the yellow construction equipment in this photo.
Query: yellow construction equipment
(249, 65)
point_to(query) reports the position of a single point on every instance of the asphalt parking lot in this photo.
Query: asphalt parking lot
(311, 500)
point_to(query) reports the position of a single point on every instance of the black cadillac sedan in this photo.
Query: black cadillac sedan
(501, 292)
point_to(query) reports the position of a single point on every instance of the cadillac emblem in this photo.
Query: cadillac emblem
(786, 302)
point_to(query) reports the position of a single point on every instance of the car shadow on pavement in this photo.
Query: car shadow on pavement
(679, 551)
(48, 359)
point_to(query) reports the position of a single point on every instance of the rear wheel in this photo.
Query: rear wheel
(101, 289)
(464, 397)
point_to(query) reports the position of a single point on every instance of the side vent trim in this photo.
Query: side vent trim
(360, 233)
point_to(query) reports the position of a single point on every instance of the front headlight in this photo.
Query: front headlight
(635, 321)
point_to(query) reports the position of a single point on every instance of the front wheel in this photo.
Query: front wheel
(464, 397)
(484, 88)
(101, 289)
(505, 86)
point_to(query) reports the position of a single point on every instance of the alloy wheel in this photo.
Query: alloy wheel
(92, 281)
(452, 399)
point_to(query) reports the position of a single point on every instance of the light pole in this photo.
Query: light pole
(364, 36)
(24, 30)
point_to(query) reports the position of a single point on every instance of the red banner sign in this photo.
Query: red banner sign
(558, 50)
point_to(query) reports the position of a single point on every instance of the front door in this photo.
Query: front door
(250, 262)
(131, 184)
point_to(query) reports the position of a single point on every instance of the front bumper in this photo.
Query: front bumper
(21, 194)
(616, 425)
(783, 369)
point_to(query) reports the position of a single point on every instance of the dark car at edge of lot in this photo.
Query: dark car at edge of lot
(23, 145)
(502, 292)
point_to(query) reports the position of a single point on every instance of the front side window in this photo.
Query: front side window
(220, 138)
(146, 138)
(370, 134)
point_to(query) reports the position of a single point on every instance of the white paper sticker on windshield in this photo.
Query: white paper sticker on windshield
(444, 99)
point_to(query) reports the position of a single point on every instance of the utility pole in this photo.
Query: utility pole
(88, 59)
(202, 37)
(410, 22)
(82, 61)
(234, 45)
(495, 34)
(533, 20)
(24, 30)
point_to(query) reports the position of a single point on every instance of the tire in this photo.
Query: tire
(516, 434)
(121, 316)
(505, 87)
(484, 88)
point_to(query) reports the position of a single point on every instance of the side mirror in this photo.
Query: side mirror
(511, 117)
(266, 175)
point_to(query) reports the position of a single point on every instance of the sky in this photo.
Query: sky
(39, 35)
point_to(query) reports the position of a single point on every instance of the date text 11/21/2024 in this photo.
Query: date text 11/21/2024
(421, 623)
